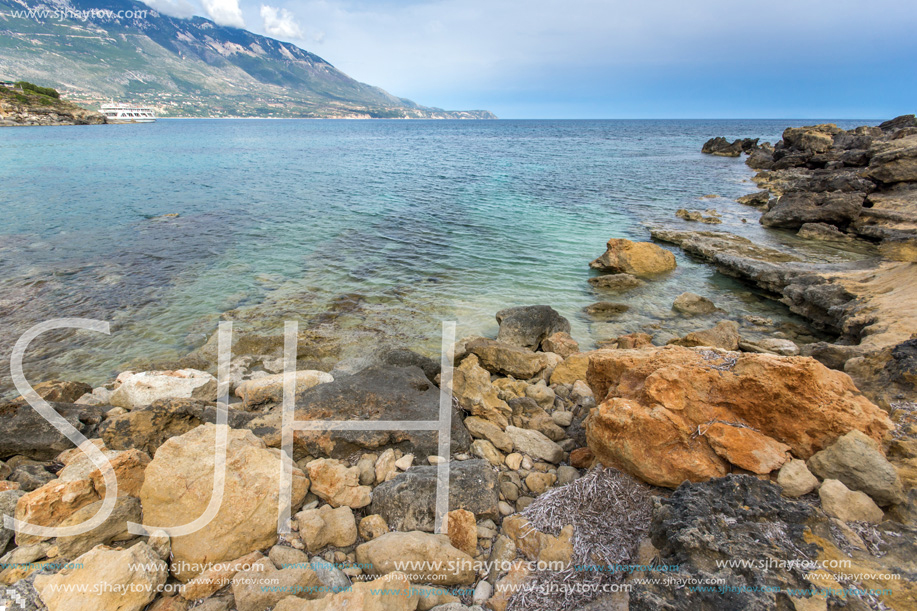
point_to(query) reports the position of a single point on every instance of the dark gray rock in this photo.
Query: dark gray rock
(897, 123)
(8, 500)
(407, 502)
(375, 393)
(758, 200)
(25, 432)
(733, 517)
(721, 147)
(402, 357)
(148, 427)
(22, 595)
(797, 208)
(528, 326)
(605, 310)
(31, 476)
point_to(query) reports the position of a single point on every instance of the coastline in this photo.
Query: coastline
(709, 448)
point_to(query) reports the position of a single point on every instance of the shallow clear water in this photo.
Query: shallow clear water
(377, 229)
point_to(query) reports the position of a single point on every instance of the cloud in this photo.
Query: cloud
(279, 23)
(224, 12)
(174, 8)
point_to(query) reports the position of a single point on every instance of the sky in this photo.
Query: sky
(840, 59)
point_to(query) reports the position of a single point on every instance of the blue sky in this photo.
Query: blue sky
(608, 58)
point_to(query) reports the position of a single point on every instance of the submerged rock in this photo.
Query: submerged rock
(693, 304)
(635, 258)
(616, 282)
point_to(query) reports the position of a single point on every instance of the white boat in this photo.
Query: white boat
(125, 113)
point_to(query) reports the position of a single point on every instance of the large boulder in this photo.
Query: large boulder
(635, 258)
(27, 433)
(858, 462)
(528, 326)
(375, 393)
(408, 501)
(616, 282)
(660, 404)
(793, 210)
(179, 483)
(139, 389)
(114, 579)
(431, 557)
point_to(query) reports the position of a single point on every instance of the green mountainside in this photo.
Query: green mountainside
(182, 67)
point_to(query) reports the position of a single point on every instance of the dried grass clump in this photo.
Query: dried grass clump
(610, 513)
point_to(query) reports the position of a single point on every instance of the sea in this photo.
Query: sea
(369, 232)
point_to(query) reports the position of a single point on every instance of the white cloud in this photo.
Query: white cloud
(174, 8)
(279, 22)
(224, 12)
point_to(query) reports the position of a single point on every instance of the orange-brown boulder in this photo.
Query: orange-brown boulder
(672, 414)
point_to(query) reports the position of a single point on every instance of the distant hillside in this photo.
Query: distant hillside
(182, 67)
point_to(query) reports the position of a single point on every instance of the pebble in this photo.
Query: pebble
(505, 508)
(514, 461)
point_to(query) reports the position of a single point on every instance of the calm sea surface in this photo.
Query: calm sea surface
(373, 230)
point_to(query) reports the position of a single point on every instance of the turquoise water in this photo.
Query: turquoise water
(374, 230)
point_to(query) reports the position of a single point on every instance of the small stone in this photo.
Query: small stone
(486, 450)
(581, 391)
(527, 463)
(538, 483)
(385, 466)
(535, 444)
(514, 461)
(566, 475)
(485, 429)
(367, 467)
(692, 304)
(435, 460)
(582, 458)
(541, 394)
(327, 526)
(482, 592)
(404, 463)
(523, 501)
(337, 484)
(462, 531)
(372, 526)
(561, 418)
(505, 508)
(796, 479)
(509, 491)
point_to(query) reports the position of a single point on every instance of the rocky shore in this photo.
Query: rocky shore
(28, 108)
(712, 472)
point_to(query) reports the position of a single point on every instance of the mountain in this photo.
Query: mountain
(93, 51)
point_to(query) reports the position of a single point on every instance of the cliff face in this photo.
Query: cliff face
(19, 107)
